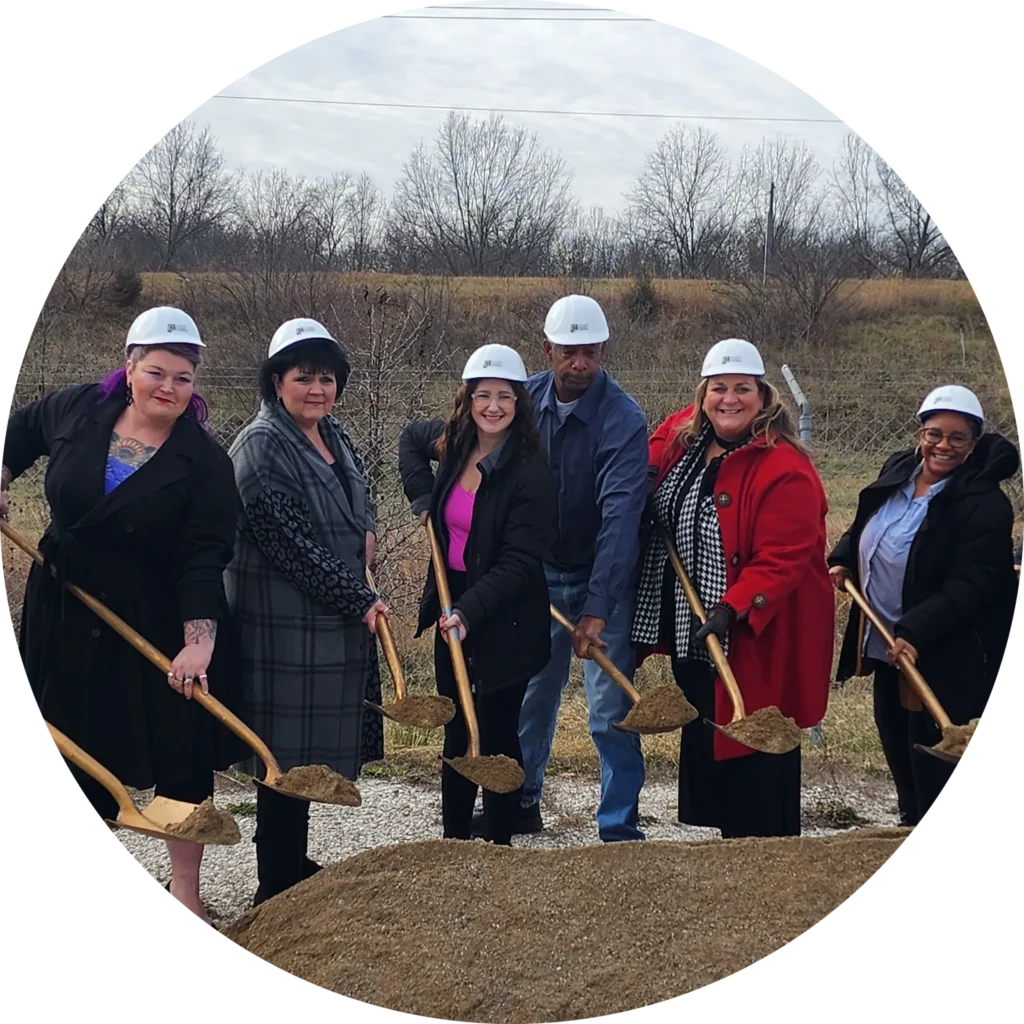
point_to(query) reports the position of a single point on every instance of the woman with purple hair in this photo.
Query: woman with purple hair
(143, 507)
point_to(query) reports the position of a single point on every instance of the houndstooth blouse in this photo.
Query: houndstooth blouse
(684, 505)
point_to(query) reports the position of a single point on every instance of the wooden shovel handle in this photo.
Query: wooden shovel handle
(917, 681)
(732, 688)
(387, 643)
(160, 660)
(602, 659)
(77, 756)
(455, 646)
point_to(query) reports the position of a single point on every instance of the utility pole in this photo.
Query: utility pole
(769, 234)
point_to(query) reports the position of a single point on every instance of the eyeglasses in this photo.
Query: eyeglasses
(483, 398)
(957, 440)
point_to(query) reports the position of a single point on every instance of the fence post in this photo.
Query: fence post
(804, 408)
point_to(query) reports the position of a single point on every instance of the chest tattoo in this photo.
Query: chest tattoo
(130, 451)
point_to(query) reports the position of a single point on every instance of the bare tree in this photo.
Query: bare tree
(488, 199)
(794, 170)
(274, 210)
(327, 225)
(689, 198)
(366, 218)
(855, 191)
(587, 246)
(914, 245)
(180, 190)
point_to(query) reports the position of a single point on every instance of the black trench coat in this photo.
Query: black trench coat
(153, 551)
(960, 589)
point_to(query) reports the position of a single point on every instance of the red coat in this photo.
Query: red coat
(771, 509)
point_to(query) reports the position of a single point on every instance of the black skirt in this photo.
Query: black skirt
(754, 795)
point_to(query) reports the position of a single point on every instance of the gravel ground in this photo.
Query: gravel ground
(402, 811)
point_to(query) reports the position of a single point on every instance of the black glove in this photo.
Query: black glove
(720, 620)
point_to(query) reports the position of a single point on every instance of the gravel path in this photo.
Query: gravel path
(401, 811)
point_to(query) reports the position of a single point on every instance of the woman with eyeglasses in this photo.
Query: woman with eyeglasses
(492, 502)
(931, 549)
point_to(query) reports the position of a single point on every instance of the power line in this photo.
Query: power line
(528, 110)
(477, 17)
(582, 10)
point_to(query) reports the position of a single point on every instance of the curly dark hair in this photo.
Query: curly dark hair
(459, 426)
(318, 355)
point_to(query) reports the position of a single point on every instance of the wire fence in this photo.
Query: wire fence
(859, 418)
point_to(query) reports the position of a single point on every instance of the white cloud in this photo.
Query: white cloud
(635, 66)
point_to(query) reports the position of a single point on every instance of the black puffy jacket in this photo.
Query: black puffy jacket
(505, 604)
(960, 588)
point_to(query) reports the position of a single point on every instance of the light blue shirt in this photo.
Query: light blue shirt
(884, 546)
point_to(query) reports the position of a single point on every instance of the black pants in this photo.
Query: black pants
(919, 778)
(281, 838)
(754, 795)
(192, 791)
(498, 720)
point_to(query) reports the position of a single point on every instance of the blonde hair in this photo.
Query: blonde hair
(773, 422)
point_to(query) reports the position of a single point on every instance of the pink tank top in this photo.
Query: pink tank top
(458, 516)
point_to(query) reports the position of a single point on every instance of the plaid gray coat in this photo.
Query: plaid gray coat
(296, 586)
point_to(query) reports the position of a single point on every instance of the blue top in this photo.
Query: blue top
(599, 458)
(116, 473)
(884, 547)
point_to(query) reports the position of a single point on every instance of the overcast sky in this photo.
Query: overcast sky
(440, 58)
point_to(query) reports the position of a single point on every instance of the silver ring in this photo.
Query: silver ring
(189, 677)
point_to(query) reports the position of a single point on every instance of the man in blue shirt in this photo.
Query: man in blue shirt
(596, 439)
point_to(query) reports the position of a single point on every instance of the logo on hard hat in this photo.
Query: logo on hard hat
(171, 328)
(573, 328)
(489, 362)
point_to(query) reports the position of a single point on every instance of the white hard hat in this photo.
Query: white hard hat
(733, 355)
(576, 320)
(952, 398)
(162, 325)
(498, 361)
(300, 329)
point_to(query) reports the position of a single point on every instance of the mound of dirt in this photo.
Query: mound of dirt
(319, 783)
(661, 709)
(207, 824)
(474, 932)
(496, 772)
(422, 710)
(955, 739)
(767, 730)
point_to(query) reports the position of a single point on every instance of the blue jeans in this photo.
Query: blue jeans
(622, 762)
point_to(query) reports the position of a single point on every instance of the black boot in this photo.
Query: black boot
(528, 822)
(282, 829)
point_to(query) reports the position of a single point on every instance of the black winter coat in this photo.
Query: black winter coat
(505, 604)
(153, 551)
(960, 588)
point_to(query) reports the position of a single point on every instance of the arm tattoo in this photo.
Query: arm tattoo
(129, 450)
(198, 630)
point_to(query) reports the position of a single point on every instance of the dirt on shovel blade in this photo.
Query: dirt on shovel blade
(955, 739)
(496, 772)
(660, 709)
(207, 824)
(422, 710)
(320, 784)
(766, 730)
(466, 931)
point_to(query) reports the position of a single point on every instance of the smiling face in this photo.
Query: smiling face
(161, 385)
(946, 439)
(308, 395)
(494, 406)
(732, 402)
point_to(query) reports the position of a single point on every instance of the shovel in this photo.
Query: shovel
(766, 730)
(319, 789)
(160, 812)
(498, 773)
(661, 709)
(954, 737)
(422, 710)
